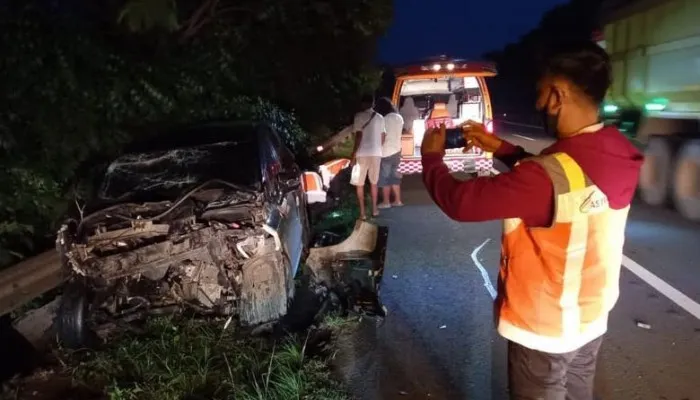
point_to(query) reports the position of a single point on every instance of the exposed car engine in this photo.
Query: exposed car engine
(210, 252)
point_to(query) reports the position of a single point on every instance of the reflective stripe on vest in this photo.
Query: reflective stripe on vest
(558, 283)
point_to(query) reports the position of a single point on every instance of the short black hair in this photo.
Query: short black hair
(584, 63)
(384, 106)
(367, 99)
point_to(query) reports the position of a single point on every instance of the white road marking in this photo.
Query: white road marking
(659, 284)
(523, 137)
(644, 274)
(519, 124)
(484, 274)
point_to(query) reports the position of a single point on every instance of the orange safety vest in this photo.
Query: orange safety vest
(557, 284)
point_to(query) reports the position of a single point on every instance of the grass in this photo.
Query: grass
(343, 149)
(194, 359)
(340, 150)
(341, 220)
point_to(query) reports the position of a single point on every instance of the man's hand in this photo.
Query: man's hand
(434, 141)
(475, 135)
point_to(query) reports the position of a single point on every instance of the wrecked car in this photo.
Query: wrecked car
(210, 218)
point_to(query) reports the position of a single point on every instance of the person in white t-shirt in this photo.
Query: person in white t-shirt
(389, 175)
(367, 153)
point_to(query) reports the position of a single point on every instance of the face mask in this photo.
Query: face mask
(550, 122)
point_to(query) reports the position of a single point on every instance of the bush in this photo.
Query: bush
(72, 99)
(78, 86)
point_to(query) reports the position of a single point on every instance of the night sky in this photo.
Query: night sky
(457, 28)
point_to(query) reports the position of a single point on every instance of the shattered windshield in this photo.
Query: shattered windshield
(166, 173)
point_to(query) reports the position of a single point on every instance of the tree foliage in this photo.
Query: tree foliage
(514, 88)
(77, 85)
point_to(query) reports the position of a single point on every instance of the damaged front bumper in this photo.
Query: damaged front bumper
(354, 267)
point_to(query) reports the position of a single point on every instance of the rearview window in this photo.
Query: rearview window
(463, 95)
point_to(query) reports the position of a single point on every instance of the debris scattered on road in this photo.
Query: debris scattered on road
(643, 325)
(443, 326)
(402, 393)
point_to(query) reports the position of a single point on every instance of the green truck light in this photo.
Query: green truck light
(610, 108)
(654, 107)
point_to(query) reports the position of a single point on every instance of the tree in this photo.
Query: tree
(77, 84)
(514, 88)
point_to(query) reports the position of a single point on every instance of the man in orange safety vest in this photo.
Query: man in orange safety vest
(564, 214)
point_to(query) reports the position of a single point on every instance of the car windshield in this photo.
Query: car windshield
(158, 174)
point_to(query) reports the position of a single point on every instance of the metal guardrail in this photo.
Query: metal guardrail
(29, 279)
(332, 141)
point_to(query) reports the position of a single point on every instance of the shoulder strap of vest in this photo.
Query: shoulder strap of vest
(565, 173)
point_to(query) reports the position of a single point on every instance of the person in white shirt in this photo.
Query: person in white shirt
(410, 113)
(389, 175)
(367, 153)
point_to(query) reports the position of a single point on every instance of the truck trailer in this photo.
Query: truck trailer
(654, 46)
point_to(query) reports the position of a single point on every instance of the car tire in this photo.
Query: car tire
(72, 317)
(266, 287)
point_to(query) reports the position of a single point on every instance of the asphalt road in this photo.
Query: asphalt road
(439, 343)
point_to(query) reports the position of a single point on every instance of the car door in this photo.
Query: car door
(286, 197)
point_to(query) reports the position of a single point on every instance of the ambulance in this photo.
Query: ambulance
(443, 91)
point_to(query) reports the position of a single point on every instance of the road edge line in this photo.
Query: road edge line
(662, 286)
(523, 137)
(484, 275)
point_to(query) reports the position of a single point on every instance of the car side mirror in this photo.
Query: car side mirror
(289, 181)
(291, 185)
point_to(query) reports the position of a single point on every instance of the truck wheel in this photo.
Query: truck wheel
(656, 174)
(686, 182)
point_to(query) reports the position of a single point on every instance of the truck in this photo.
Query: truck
(654, 46)
(438, 90)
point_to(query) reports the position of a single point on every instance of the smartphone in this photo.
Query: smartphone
(454, 138)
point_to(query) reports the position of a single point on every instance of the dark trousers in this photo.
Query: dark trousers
(535, 375)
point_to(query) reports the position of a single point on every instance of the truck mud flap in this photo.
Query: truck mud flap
(353, 267)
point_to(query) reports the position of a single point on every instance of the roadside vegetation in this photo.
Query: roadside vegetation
(174, 359)
(113, 72)
(198, 359)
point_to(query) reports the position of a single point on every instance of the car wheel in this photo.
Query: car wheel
(266, 287)
(72, 318)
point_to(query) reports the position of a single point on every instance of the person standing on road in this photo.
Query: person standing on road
(389, 175)
(370, 134)
(564, 215)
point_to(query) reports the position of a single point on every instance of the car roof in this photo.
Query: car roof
(196, 134)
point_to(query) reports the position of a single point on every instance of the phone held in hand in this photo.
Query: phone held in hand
(454, 138)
